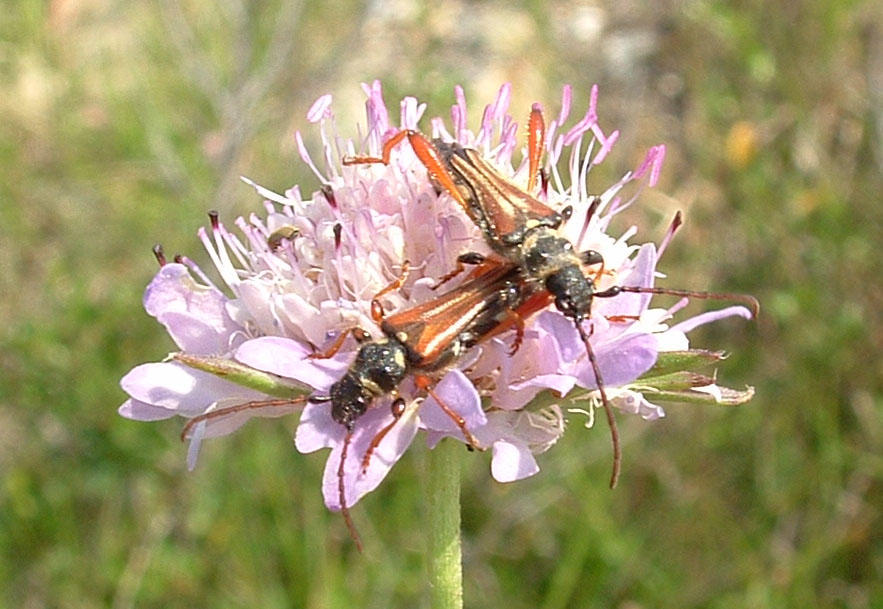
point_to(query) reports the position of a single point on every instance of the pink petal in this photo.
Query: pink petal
(621, 361)
(142, 411)
(642, 275)
(320, 109)
(192, 313)
(317, 430)
(706, 318)
(512, 461)
(192, 334)
(634, 402)
(357, 482)
(288, 358)
(459, 394)
(181, 389)
(527, 390)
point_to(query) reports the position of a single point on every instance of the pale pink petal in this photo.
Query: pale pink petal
(512, 461)
(142, 411)
(320, 109)
(192, 334)
(459, 395)
(358, 482)
(691, 324)
(180, 389)
(289, 359)
(634, 402)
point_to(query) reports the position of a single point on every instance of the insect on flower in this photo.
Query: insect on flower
(420, 342)
(312, 267)
(281, 235)
(522, 230)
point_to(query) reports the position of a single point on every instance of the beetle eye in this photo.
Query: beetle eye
(590, 257)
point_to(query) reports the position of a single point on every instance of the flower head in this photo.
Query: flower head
(297, 278)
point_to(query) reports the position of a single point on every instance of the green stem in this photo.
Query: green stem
(443, 504)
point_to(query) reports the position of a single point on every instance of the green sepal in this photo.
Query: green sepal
(246, 376)
(678, 361)
(676, 381)
(674, 377)
(729, 397)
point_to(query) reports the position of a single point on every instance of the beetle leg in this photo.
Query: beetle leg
(376, 307)
(398, 409)
(425, 383)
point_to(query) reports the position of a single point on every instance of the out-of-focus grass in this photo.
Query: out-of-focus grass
(124, 124)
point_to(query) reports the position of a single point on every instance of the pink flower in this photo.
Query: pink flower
(307, 271)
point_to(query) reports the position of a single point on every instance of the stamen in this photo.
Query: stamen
(159, 255)
(217, 251)
(566, 100)
(194, 268)
(676, 223)
(458, 117)
(338, 228)
(590, 213)
(328, 193)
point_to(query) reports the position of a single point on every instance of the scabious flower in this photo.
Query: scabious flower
(295, 279)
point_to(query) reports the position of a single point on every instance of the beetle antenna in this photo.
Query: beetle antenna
(228, 410)
(608, 409)
(341, 491)
(749, 301)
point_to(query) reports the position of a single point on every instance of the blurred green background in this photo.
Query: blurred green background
(123, 123)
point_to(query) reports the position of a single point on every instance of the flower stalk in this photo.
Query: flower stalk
(443, 511)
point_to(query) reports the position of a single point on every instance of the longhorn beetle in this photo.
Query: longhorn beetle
(524, 231)
(420, 341)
